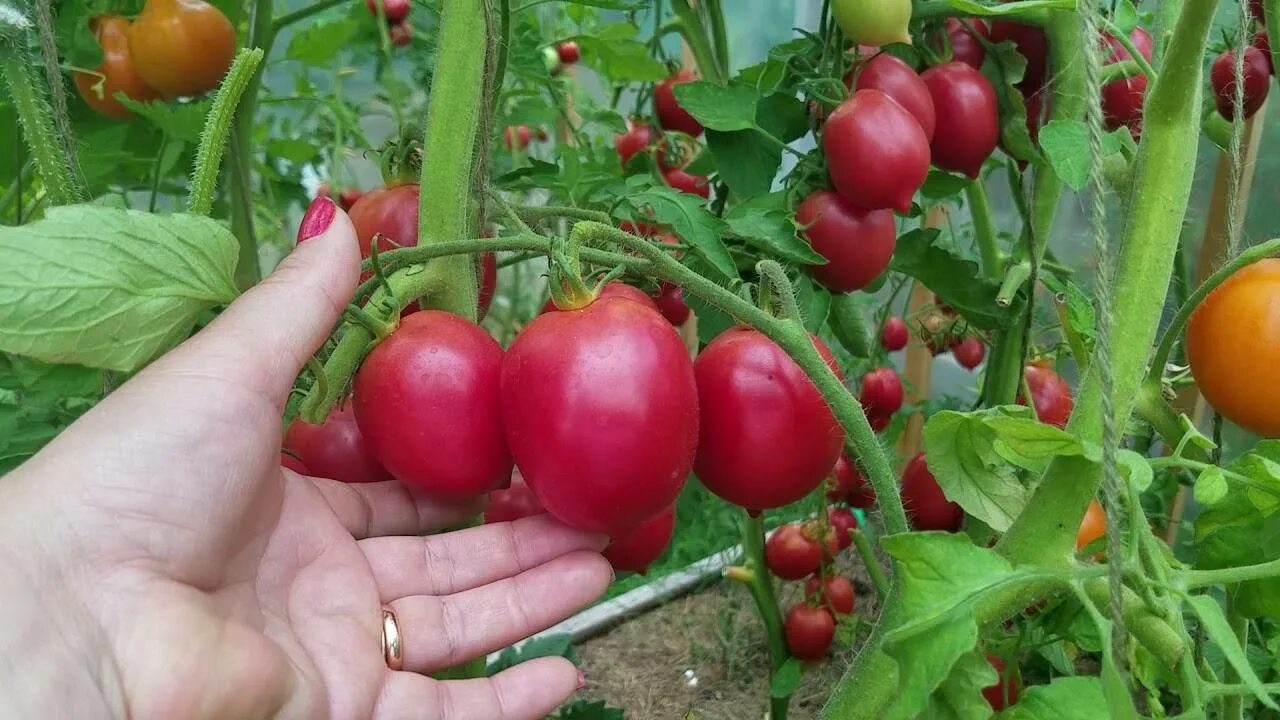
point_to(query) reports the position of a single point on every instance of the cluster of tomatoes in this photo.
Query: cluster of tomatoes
(518, 137)
(1258, 68)
(672, 157)
(172, 49)
(798, 551)
(399, 29)
(561, 56)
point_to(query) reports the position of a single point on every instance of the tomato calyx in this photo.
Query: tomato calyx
(401, 158)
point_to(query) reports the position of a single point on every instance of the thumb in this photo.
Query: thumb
(263, 339)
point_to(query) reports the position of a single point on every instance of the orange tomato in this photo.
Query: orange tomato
(1233, 346)
(1093, 526)
(116, 73)
(182, 47)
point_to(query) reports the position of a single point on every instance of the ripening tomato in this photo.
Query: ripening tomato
(1233, 347)
(842, 523)
(859, 494)
(293, 463)
(926, 505)
(873, 22)
(1050, 394)
(182, 47)
(685, 182)
(568, 52)
(670, 115)
(1257, 81)
(601, 413)
(809, 631)
(965, 46)
(767, 437)
(1262, 41)
(1092, 526)
(635, 140)
(1005, 692)
(348, 198)
(116, 73)
(858, 244)
(894, 334)
(395, 10)
(335, 449)
(426, 400)
(517, 137)
(968, 117)
(791, 554)
(969, 352)
(617, 288)
(670, 302)
(391, 212)
(898, 80)
(638, 549)
(877, 154)
(1032, 44)
(400, 34)
(1122, 99)
(835, 594)
(840, 481)
(512, 503)
(882, 392)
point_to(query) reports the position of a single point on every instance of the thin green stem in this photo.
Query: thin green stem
(217, 127)
(301, 14)
(156, 169)
(690, 27)
(1014, 279)
(1134, 56)
(1120, 71)
(1229, 576)
(719, 37)
(1197, 466)
(1217, 690)
(984, 229)
(871, 563)
(262, 35)
(1233, 707)
(760, 583)
(502, 48)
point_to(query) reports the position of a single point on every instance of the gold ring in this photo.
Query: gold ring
(392, 646)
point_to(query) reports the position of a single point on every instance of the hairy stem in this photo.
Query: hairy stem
(217, 126)
(760, 584)
(984, 229)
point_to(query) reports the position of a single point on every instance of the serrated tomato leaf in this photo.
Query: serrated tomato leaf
(955, 278)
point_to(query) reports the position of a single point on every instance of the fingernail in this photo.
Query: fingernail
(318, 218)
(582, 680)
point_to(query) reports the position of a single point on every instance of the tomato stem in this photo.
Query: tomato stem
(262, 35)
(984, 229)
(690, 27)
(871, 563)
(217, 126)
(760, 584)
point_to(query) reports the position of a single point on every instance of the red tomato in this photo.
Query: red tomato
(636, 139)
(927, 507)
(1122, 100)
(182, 47)
(858, 244)
(969, 352)
(293, 463)
(601, 412)
(400, 34)
(1262, 42)
(117, 71)
(1050, 394)
(894, 334)
(840, 481)
(684, 182)
(882, 392)
(1257, 81)
(348, 198)
(836, 594)
(1093, 525)
(1037, 112)
(1005, 692)
(335, 449)
(965, 46)
(809, 631)
(968, 117)
(877, 155)
(512, 503)
(670, 302)
(395, 10)
(391, 212)
(767, 437)
(1031, 42)
(618, 289)
(1256, 10)
(568, 52)
(637, 550)
(427, 402)
(898, 80)
(857, 491)
(791, 554)
(516, 137)
(842, 521)
(670, 115)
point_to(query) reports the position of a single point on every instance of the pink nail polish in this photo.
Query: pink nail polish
(318, 218)
(582, 680)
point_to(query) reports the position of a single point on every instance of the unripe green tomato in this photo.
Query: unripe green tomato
(873, 22)
(551, 60)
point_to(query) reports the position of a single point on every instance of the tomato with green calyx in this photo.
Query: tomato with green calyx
(1050, 395)
(1005, 692)
(115, 74)
(427, 402)
(1093, 525)
(517, 137)
(1032, 44)
(809, 631)
(617, 289)
(568, 52)
(926, 505)
(635, 140)
(877, 154)
(1257, 81)
(969, 352)
(335, 449)
(687, 183)
(670, 115)
(400, 34)
(968, 117)
(1122, 99)
(842, 522)
(898, 80)
(638, 549)
(965, 45)
(767, 437)
(395, 10)
(182, 47)
(873, 22)
(858, 244)
(791, 554)
(894, 335)
(512, 503)
(601, 413)
(835, 593)
(293, 463)
(1233, 347)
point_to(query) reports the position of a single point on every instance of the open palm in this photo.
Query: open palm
(187, 575)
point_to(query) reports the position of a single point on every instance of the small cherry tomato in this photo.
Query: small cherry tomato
(1050, 394)
(182, 47)
(965, 46)
(877, 154)
(335, 449)
(516, 137)
(894, 334)
(400, 34)
(670, 302)
(638, 549)
(116, 73)
(969, 352)
(857, 244)
(568, 52)
(968, 117)
(809, 631)
(835, 594)
(882, 392)
(898, 80)
(395, 10)
(1005, 692)
(926, 505)
(1122, 100)
(1092, 526)
(1032, 44)
(848, 479)
(842, 522)
(670, 115)
(635, 140)
(791, 554)
(1257, 81)
(685, 182)
(512, 503)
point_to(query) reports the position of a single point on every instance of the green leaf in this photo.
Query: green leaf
(1135, 468)
(1220, 633)
(110, 288)
(1079, 305)
(74, 35)
(748, 161)
(814, 302)
(687, 218)
(181, 121)
(939, 185)
(786, 679)
(960, 450)
(954, 277)
(719, 107)
(295, 150)
(588, 710)
(1211, 486)
(972, 7)
(1066, 698)
(320, 41)
(960, 695)
(1125, 16)
(1066, 144)
(612, 51)
(764, 222)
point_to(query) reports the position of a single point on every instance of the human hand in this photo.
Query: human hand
(158, 563)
